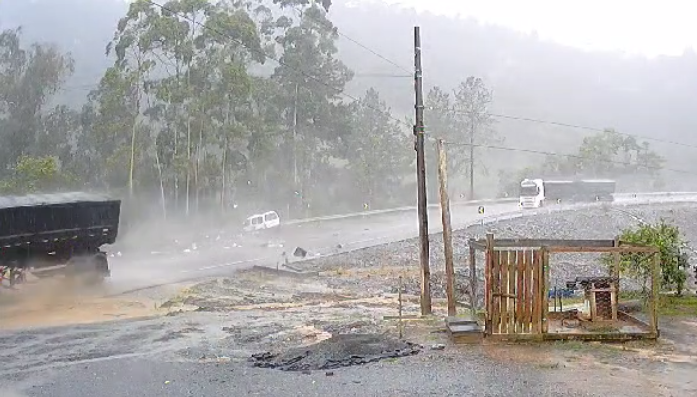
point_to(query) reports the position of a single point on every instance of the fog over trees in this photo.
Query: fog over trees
(306, 107)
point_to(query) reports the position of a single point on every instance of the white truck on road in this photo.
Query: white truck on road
(535, 193)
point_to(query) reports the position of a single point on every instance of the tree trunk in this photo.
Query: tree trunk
(162, 185)
(198, 163)
(188, 163)
(223, 186)
(133, 157)
(471, 168)
(175, 161)
(133, 137)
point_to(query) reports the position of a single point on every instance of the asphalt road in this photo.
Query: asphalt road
(223, 252)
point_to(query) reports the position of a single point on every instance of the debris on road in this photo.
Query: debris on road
(274, 244)
(338, 351)
(299, 252)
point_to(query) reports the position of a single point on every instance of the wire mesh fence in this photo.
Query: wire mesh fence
(587, 292)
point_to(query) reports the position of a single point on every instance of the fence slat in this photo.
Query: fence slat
(487, 290)
(535, 295)
(530, 301)
(544, 287)
(505, 258)
(527, 315)
(496, 293)
(512, 294)
(520, 293)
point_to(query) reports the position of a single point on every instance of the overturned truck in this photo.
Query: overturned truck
(62, 233)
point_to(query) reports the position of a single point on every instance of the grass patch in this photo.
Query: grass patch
(602, 351)
(678, 306)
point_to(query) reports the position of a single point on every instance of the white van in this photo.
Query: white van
(267, 220)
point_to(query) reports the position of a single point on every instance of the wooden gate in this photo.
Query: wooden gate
(516, 293)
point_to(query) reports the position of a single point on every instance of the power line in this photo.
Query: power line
(527, 119)
(582, 127)
(370, 50)
(377, 54)
(381, 75)
(541, 152)
(91, 86)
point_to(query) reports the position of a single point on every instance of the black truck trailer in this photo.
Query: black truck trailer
(580, 190)
(64, 233)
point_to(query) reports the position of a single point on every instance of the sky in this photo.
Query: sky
(646, 27)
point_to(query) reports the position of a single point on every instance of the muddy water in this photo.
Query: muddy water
(55, 303)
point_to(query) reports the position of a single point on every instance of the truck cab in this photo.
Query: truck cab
(532, 193)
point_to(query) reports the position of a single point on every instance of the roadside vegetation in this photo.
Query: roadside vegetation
(240, 107)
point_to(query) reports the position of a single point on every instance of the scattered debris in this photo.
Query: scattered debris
(273, 244)
(299, 252)
(338, 351)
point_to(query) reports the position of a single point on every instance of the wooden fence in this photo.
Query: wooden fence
(516, 278)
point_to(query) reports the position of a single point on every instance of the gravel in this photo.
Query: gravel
(591, 223)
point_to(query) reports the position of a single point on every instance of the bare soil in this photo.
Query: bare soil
(54, 302)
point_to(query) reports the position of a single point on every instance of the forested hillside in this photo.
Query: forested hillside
(248, 105)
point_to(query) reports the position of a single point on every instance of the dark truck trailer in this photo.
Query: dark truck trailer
(595, 190)
(579, 190)
(61, 232)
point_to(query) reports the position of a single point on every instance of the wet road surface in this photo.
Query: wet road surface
(223, 253)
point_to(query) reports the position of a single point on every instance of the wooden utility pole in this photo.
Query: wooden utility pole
(421, 177)
(447, 229)
(473, 280)
(294, 198)
(471, 170)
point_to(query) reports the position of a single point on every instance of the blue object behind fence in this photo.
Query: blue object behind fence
(561, 293)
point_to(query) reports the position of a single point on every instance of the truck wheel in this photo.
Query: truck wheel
(99, 270)
(89, 270)
(17, 276)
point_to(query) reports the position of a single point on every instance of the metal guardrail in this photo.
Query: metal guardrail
(692, 196)
(657, 194)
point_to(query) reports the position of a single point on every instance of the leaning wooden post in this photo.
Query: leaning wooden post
(473, 279)
(616, 279)
(545, 284)
(447, 228)
(488, 282)
(655, 293)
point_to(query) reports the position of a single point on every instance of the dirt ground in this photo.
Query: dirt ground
(261, 310)
(289, 311)
(52, 302)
